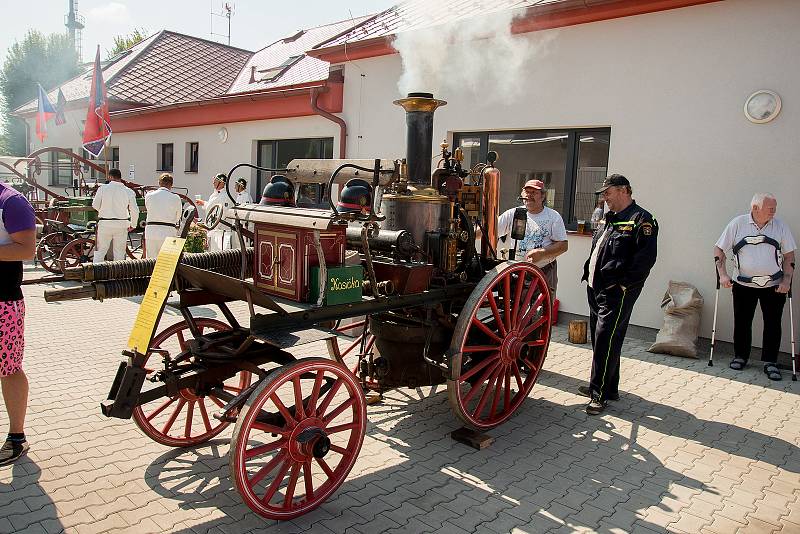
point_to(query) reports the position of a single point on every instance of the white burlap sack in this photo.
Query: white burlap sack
(682, 306)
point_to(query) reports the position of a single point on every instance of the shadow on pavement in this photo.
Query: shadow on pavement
(23, 502)
(551, 467)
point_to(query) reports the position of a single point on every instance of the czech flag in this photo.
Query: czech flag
(97, 129)
(45, 113)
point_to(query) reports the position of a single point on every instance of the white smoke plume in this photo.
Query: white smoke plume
(476, 57)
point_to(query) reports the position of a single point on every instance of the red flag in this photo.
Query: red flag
(97, 129)
(43, 114)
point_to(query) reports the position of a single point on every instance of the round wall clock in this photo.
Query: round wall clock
(222, 134)
(762, 106)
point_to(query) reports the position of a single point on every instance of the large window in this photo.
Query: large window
(112, 153)
(277, 154)
(164, 155)
(571, 163)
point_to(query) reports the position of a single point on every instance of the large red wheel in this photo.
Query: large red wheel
(349, 353)
(76, 252)
(49, 249)
(297, 437)
(184, 419)
(499, 344)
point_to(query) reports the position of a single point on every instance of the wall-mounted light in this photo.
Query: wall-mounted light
(762, 106)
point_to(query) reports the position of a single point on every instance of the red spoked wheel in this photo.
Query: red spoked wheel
(350, 353)
(49, 248)
(499, 344)
(184, 419)
(298, 437)
(76, 252)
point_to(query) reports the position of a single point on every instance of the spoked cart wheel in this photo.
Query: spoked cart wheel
(350, 352)
(49, 248)
(297, 437)
(499, 344)
(185, 419)
(76, 252)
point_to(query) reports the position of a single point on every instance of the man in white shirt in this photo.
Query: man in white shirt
(220, 237)
(545, 234)
(117, 214)
(763, 249)
(163, 215)
(242, 194)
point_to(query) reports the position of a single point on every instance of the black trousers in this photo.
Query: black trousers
(609, 313)
(744, 308)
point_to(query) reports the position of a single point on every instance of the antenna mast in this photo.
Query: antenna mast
(227, 11)
(75, 23)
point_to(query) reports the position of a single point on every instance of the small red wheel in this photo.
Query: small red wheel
(499, 344)
(298, 437)
(184, 420)
(49, 249)
(76, 252)
(352, 356)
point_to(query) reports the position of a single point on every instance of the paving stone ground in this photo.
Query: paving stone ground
(688, 448)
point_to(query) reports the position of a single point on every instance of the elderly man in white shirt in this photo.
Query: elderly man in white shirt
(163, 215)
(117, 214)
(763, 249)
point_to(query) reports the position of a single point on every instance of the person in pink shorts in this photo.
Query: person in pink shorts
(17, 243)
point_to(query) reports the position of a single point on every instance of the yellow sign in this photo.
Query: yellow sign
(156, 294)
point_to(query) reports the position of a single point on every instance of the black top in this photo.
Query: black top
(16, 214)
(627, 251)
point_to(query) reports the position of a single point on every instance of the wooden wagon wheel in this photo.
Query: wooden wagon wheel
(183, 420)
(352, 355)
(76, 252)
(135, 247)
(49, 248)
(297, 437)
(499, 344)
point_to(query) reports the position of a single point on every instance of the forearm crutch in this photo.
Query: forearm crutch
(714, 324)
(791, 331)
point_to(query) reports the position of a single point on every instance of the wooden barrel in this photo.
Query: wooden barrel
(577, 331)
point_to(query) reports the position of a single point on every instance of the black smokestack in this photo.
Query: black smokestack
(419, 135)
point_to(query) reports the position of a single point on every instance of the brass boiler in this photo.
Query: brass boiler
(420, 212)
(491, 210)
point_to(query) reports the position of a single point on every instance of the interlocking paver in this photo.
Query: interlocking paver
(687, 449)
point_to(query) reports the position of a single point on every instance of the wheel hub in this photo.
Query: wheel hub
(308, 439)
(511, 348)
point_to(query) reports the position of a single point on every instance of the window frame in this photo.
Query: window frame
(192, 159)
(160, 153)
(325, 142)
(570, 167)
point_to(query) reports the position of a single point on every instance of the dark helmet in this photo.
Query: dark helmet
(278, 192)
(356, 197)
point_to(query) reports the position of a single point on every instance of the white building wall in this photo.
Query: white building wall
(671, 85)
(140, 149)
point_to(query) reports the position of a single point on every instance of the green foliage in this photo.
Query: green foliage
(196, 240)
(124, 42)
(49, 60)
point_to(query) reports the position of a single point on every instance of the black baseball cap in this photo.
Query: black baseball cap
(613, 180)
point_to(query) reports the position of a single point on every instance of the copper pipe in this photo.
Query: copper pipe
(315, 92)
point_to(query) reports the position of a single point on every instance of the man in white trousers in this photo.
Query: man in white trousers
(117, 214)
(220, 237)
(163, 215)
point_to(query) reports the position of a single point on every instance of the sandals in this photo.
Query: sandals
(738, 364)
(772, 371)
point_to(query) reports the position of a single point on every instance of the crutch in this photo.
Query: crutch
(791, 331)
(714, 325)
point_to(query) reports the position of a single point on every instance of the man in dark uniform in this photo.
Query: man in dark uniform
(623, 252)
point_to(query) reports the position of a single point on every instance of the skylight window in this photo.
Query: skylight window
(273, 73)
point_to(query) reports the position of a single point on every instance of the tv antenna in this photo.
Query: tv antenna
(227, 11)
